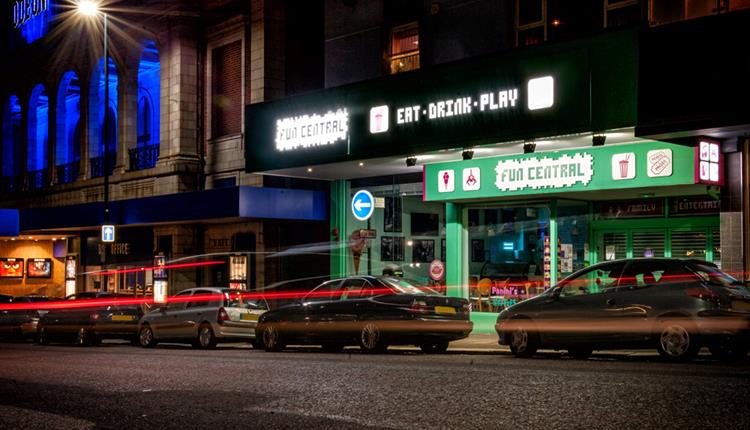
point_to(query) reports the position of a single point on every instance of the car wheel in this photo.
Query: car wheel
(371, 339)
(332, 347)
(580, 352)
(146, 337)
(206, 338)
(434, 347)
(523, 343)
(271, 338)
(728, 349)
(677, 341)
(42, 337)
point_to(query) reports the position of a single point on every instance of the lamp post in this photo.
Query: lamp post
(91, 8)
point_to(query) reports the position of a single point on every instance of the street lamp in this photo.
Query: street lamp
(90, 8)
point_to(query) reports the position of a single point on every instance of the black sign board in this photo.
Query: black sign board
(690, 206)
(132, 245)
(630, 209)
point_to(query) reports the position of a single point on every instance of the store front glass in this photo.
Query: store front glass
(409, 235)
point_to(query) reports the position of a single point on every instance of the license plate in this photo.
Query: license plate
(249, 317)
(122, 318)
(740, 305)
(445, 310)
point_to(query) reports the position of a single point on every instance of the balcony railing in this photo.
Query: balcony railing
(67, 173)
(38, 179)
(143, 157)
(405, 62)
(10, 184)
(97, 165)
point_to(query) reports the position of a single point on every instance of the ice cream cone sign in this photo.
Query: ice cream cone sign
(357, 245)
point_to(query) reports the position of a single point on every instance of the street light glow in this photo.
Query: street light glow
(88, 7)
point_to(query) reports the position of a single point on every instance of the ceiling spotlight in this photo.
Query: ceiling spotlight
(598, 139)
(529, 147)
(468, 154)
(411, 161)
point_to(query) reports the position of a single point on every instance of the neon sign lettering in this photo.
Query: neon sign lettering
(544, 172)
(25, 10)
(308, 131)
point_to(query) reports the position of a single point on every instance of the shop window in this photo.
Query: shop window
(68, 143)
(226, 89)
(38, 127)
(11, 145)
(410, 235)
(509, 255)
(666, 11)
(404, 48)
(531, 22)
(99, 114)
(621, 13)
(598, 280)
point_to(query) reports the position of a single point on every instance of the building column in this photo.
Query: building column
(84, 82)
(339, 204)
(266, 65)
(455, 238)
(127, 117)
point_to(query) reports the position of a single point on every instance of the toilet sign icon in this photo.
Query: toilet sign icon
(108, 233)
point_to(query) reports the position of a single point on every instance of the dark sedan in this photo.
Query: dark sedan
(372, 312)
(87, 318)
(676, 306)
(21, 320)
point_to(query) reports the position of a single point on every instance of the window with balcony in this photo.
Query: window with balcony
(226, 89)
(404, 51)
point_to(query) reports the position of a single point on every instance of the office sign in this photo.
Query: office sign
(586, 169)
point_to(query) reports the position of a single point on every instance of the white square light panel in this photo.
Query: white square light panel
(541, 92)
(379, 119)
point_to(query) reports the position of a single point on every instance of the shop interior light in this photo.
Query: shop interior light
(529, 147)
(598, 139)
(309, 169)
(411, 161)
(468, 154)
(361, 164)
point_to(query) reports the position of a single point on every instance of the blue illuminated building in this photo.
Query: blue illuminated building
(147, 148)
(38, 136)
(11, 144)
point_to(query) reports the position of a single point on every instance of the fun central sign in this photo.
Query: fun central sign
(586, 169)
(306, 131)
(545, 172)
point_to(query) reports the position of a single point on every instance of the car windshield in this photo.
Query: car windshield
(234, 299)
(405, 286)
(714, 276)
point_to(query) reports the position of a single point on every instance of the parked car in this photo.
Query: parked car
(203, 317)
(373, 312)
(676, 306)
(22, 323)
(89, 317)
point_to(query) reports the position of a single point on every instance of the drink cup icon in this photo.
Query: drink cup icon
(624, 163)
(378, 121)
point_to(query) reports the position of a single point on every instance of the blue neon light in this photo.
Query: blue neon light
(508, 246)
(33, 18)
(38, 129)
(68, 147)
(148, 96)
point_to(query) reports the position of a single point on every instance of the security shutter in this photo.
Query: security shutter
(689, 244)
(648, 244)
(615, 246)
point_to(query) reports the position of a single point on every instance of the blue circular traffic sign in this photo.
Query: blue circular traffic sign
(363, 205)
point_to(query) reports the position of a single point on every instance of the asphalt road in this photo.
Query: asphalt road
(122, 387)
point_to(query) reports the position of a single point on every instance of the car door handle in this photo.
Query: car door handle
(611, 302)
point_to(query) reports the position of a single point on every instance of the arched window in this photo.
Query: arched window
(11, 145)
(144, 156)
(68, 142)
(96, 119)
(36, 158)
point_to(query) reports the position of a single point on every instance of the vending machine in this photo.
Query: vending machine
(238, 272)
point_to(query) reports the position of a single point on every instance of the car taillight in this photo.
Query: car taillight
(703, 294)
(419, 306)
(223, 315)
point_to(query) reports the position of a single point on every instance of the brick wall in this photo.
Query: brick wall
(226, 89)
